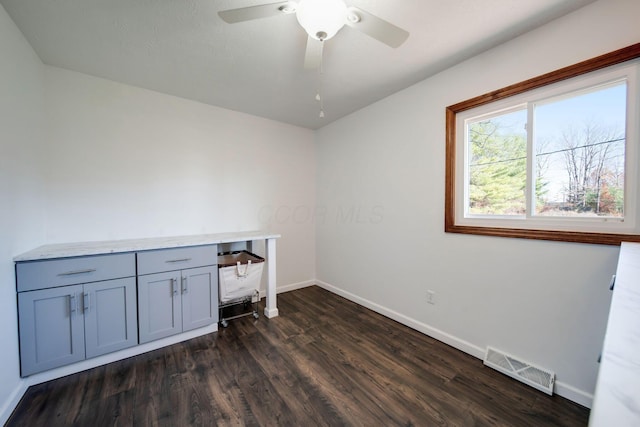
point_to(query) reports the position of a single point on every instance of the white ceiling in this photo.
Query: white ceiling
(182, 48)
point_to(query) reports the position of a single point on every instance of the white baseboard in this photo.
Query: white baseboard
(562, 389)
(407, 321)
(12, 401)
(290, 287)
(118, 355)
(573, 394)
(294, 286)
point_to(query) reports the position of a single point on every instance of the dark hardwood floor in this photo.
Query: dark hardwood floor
(324, 361)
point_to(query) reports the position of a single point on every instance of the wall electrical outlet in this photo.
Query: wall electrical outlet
(431, 297)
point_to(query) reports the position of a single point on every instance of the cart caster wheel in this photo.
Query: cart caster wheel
(255, 315)
(224, 323)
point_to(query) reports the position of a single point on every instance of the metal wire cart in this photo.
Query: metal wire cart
(240, 273)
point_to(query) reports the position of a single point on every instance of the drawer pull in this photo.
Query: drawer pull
(72, 305)
(179, 260)
(86, 302)
(71, 273)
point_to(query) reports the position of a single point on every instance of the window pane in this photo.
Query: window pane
(580, 151)
(497, 165)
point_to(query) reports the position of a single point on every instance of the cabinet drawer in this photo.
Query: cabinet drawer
(32, 275)
(176, 259)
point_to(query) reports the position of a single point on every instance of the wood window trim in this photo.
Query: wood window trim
(612, 58)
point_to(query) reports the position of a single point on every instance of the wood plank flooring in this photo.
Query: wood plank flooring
(325, 361)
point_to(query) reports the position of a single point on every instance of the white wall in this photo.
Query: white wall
(88, 159)
(124, 162)
(546, 302)
(21, 195)
(92, 160)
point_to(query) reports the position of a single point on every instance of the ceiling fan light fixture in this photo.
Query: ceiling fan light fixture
(321, 19)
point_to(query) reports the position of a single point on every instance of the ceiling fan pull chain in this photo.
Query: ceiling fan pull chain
(320, 72)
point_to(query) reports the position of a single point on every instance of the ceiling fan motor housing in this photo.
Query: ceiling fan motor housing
(321, 19)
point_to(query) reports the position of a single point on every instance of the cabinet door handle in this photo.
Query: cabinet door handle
(179, 260)
(72, 304)
(174, 287)
(184, 284)
(86, 302)
(71, 273)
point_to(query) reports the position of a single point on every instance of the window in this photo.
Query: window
(555, 157)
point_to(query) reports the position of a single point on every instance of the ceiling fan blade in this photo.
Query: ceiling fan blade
(232, 16)
(375, 27)
(313, 54)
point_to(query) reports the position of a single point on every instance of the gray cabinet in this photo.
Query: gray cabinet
(51, 329)
(177, 301)
(177, 290)
(110, 317)
(199, 297)
(75, 308)
(159, 305)
(63, 320)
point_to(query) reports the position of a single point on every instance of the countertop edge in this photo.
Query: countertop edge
(75, 249)
(616, 398)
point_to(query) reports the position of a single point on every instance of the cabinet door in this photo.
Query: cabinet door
(51, 328)
(110, 319)
(199, 289)
(159, 307)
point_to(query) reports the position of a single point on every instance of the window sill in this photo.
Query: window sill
(559, 236)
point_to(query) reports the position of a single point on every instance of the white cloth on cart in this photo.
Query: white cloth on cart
(240, 281)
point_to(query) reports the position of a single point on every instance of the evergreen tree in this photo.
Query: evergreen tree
(497, 170)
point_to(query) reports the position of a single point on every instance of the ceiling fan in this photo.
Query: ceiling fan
(321, 19)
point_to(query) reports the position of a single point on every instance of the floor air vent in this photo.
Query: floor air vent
(539, 378)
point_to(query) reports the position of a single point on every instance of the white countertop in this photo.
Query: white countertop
(617, 396)
(65, 250)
